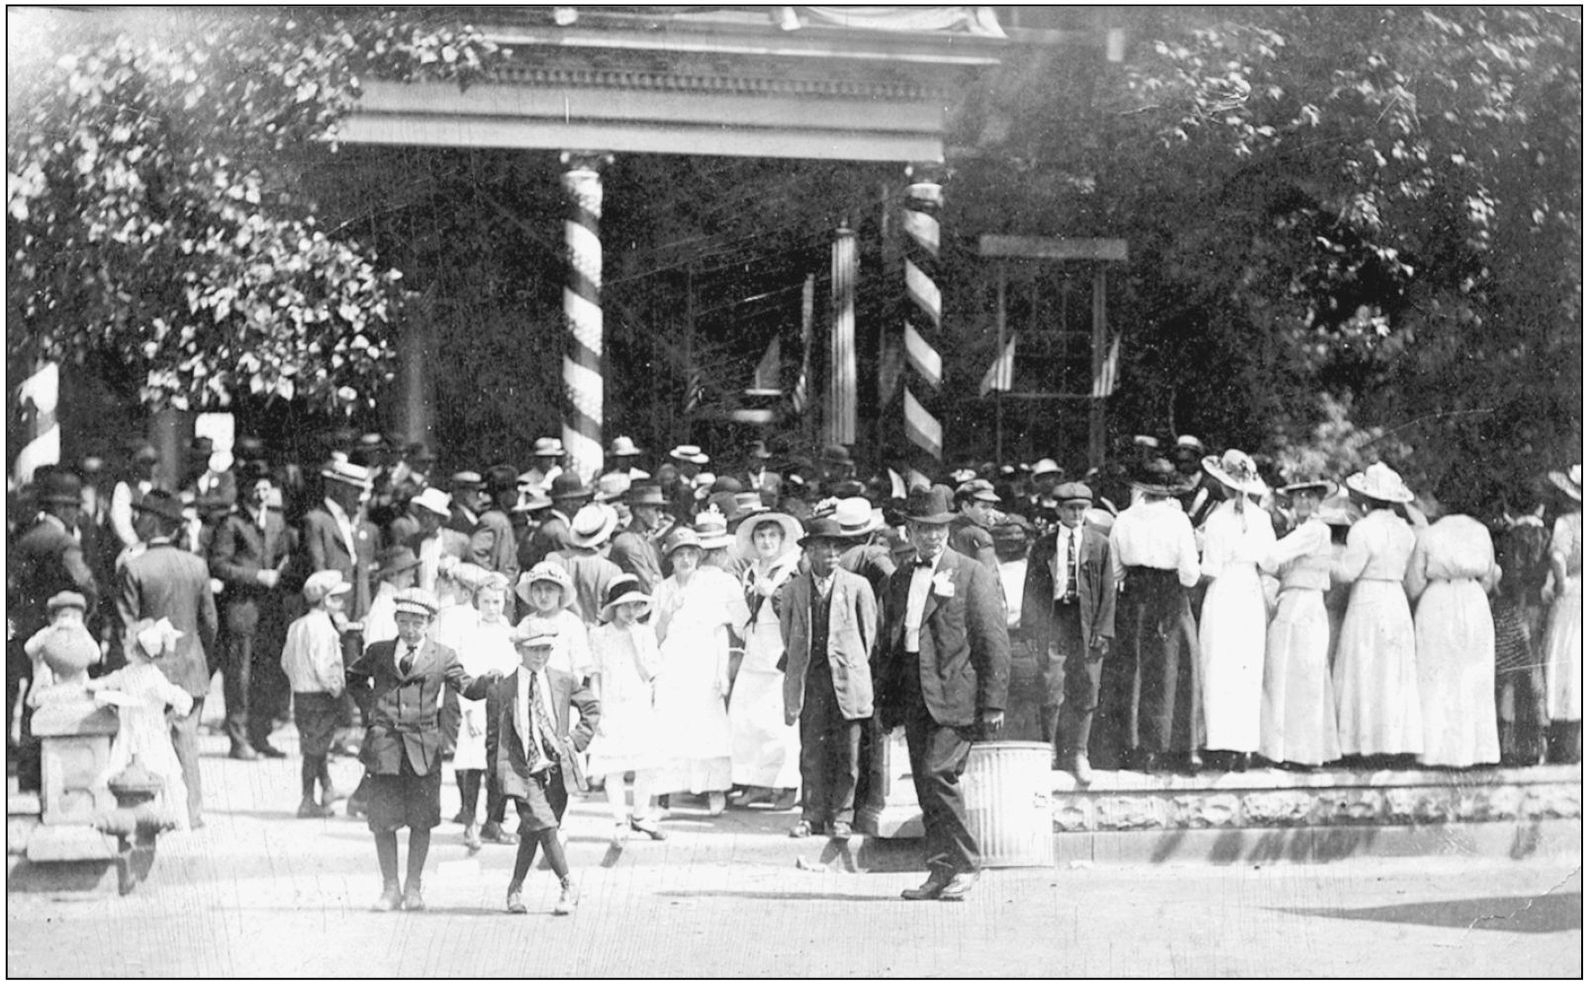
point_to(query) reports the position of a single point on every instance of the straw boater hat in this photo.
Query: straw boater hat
(343, 471)
(791, 530)
(1236, 471)
(1189, 443)
(857, 517)
(689, 453)
(417, 602)
(592, 525)
(932, 506)
(1379, 482)
(544, 447)
(1160, 477)
(551, 572)
(623, 588)
(1326, 488)
(1570, 482)
(63, 600)
(678, 538)
(466, 479)
(710, 526)
(327, 582)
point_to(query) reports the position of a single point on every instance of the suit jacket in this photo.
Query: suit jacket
(849, 642)
(239, 551)
(164, 580)
(323, 542)
(402, 710)
(45, 560)
(768, 486)
(460, 520)
(1093, 581)
(634, 551)
(551, 537)
(509, 759)
(493, 544)
(963, 645)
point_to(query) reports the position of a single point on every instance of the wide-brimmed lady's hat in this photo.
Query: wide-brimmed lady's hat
(592, 525)
(1236, 471)
(623, 588)
(791, 530)
(689, 453)
(1379, 482)
(681, 536)
(552, 573)
(1570, 482)
(710, 526)
(1325, 488)
(932, 506)
(392, 561)
(1161, 478)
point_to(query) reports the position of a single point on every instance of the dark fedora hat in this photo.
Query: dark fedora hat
(162, 503)
(932, 506)
(59, 486)
(646, 495)
(823, 528)
(568, 486)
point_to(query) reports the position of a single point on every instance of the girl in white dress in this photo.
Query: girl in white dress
(548, 589)
(1234, 629)
(1564, 652)
(141, 694)
(482, 643)
(764, 749)
(626, 660)
(694, 611)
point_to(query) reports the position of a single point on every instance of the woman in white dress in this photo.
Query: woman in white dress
(694, 610)
(1452, 567)
(1234, 628)
(1376, 663)
(481, 640)
(764, 749)
(1298, 726)
(1564, 653)
(626, 661)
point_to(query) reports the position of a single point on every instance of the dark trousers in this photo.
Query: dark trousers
(254, 687)
(1565, 741)
(1164, 714)
(937, 754)
(1520, 714)
(869, 798)
(1073, 680)
(829, 753)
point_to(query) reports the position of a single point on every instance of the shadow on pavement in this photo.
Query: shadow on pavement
(776, 895)
(1539, 914)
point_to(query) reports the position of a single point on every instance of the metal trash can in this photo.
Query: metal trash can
(1007, 788)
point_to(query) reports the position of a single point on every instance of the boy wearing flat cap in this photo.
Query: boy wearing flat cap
(398, 684)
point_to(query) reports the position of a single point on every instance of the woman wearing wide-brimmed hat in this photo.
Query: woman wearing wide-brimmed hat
(1298, 722)
(1452, 565)
(1564, 653)
(1234, 626)
(694, 611)
(1376, 664)
(764, 749)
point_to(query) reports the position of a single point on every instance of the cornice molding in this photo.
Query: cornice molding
(592, 77)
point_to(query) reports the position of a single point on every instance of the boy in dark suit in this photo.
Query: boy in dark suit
(536, 760)
(1068, 610)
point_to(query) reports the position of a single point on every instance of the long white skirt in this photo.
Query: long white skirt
(1298, 722)
(690, 716)
(1232, 637)
(1456, 675)
(1564, 656)
(764, 749)
(1376, 673)
(627, 739)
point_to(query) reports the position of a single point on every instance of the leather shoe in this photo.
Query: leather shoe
(269, 751)
(494, 832)
(841, 830)
(309, 809)
(513, 903)
(412, 899)
(959, 887)
(931, 889)
(331, 794)
(1080, 767)
(389, 901)
(802, 830)
(242, 751)
(786, 800)
(648, 827)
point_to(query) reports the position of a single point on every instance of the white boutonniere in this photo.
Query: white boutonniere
(942, 584)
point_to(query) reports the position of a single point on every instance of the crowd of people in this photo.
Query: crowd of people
(749, 634)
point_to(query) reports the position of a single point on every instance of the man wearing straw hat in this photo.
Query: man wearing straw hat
(591, 572)
(943, 674)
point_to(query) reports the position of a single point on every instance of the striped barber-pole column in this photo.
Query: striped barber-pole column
(922, 314)
(584, 315)
(37, 400)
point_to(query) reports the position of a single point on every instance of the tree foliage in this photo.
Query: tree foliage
(151, 220)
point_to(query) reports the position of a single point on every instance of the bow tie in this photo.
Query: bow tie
(923, 562)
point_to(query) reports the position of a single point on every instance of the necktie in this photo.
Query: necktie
(407, 663)
(1069, 588)
(545, 728)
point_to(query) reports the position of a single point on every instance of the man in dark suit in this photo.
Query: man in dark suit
(249, 552)
(163, 580)
(553, 535)
(634, 549)
(398, 684)
(46, 559)
(336, 534)
(465, 490)
(493, 540)
(757, 477)
(943, 674)
(1068, 611)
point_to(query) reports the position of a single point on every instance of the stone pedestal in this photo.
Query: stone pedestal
(75, 746)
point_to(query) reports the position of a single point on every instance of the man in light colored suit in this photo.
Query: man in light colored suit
(828, 624)
(1068, 611)
(162, 580)
(942, 672)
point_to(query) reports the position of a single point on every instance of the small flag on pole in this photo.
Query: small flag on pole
(999, 376)
(800, 389)
(1108, 375)
(767, 375)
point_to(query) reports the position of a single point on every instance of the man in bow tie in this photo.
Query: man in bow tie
(942, 672)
